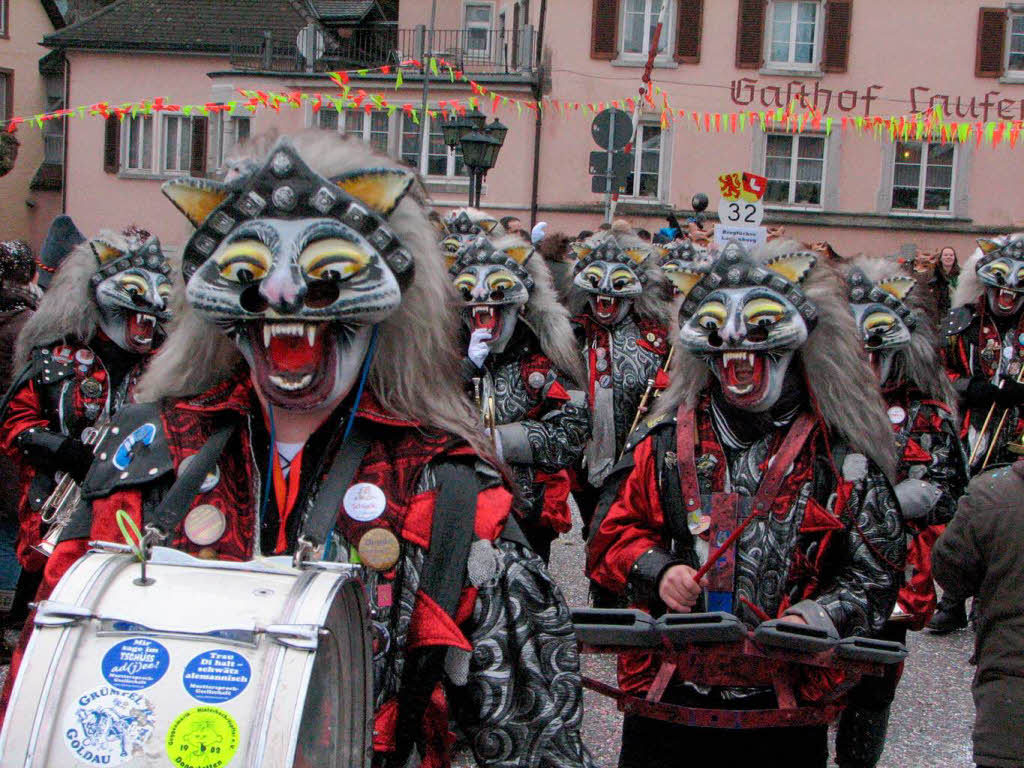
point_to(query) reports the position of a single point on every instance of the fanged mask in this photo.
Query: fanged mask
(885, 322)
(494, 284)
(612, 277)
(681, 255)
(746, 320)
(132, 290)
(300, 268)
(1001, 270)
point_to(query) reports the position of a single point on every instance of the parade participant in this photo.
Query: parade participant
(931, 472)
(770, 426)
(679, 255)
(79, 358)
(985, 358)
(61, 239)
(463, 224)
(619, 302)
(524, 371)
(317, 346)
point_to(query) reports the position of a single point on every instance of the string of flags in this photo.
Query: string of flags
(795, 118)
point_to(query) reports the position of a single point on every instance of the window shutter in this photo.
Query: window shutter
(750, 35)
(688, 30)
(197, 164)
(604, 35)
(837, 35)
(112, 145)
(988, 60)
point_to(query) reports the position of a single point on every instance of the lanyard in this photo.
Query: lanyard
(285, 494)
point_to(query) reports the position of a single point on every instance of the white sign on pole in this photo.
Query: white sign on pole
(748, 237)
(740, 213)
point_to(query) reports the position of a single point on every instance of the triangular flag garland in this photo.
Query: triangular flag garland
(796, 118)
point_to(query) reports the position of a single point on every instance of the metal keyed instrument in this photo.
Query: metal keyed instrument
(61, 503)
(641, 409)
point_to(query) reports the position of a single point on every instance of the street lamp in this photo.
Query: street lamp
(480, 153)
(452, 129)
(476, 119)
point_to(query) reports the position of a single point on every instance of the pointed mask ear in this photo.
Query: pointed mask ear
(379, 188)
(196, 198)
(581, 251)
(899, 286)
(684, 280)
(792, 266)
(638, 255)
(449, 258)
(520, 254)
(105, 252)
(487, 225)
(987, 246)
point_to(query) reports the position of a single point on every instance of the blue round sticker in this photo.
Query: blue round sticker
(134, 664)
(216, 676)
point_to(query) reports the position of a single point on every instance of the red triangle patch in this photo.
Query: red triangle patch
(430, 625)
(557, 392)
(661, 380)
(817, 519)
(915, 453)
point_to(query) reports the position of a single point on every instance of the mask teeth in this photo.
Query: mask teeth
(272, 330)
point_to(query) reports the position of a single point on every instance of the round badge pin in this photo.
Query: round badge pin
(364, 502)
(897, 415)
(91, 387)
(536, 379)
(379, 549)
(211, 479)
(205, 524)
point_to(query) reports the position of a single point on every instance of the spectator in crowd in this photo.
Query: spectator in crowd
(944, 279)
(512, 225)
(584, 234)
(981, 553)
(644, 235)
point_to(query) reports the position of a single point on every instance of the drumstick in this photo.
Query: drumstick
(703, 570)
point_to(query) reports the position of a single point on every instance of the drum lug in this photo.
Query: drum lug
(302, 636)
(55, 614)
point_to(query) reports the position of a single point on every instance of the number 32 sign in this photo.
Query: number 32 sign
(740, 204)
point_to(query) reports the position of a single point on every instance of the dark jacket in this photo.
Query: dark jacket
(982, 554)
(11, 323)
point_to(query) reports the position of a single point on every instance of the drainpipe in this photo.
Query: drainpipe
(427, 45)
(67, 130)
(538, 124)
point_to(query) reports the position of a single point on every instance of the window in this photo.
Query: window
(138, 143)
(795, 168)
(3, 18)
(5, 95)
(233, 131)
(923, 176)
(374, 129)
(794, 33)
(639, 20)
(435, 159)
(1015, 47)
(177, 144)
(477, 28)
(645, 179)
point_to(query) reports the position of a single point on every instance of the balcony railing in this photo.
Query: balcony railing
(475, 51)
(53, 148)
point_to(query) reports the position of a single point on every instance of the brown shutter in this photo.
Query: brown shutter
(837, 35)
(197, 165)
(604, 34)
(112, 145)
(750, 34)
(988, 60)
(688, 29)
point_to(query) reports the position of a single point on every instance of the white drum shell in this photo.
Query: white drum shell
(188, 597)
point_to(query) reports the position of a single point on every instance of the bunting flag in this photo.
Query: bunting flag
(796, 118)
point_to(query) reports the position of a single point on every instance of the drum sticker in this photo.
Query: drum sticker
(202, 737)
(217, 676)
(364, 502)
(125, 452)
(135, 664)
(106, 726)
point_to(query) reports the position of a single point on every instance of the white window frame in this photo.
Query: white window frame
(632, 195)
(819, 30)
(154, 149)
(227, 135)
(449, 174)
(794, 158)
(485, 54)
(667, 33)
(164, 130)
(5, 13)
(364, 133)
(922, 176)
(5, 89)
(1012, 74)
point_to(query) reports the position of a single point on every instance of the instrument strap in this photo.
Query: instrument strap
(322, 509)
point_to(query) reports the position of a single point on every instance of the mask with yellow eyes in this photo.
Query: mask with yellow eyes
(132, 290)
(746, 320)
(1001, 270)
(296, 269)
(884, 320)
(612, 286)
(494, 285)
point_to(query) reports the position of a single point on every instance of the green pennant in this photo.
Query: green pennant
(828, 126)
(391, 109)
(519, 106)
(415, 117)
(962, 132)
(859, 122)
(135, 109)
(743, 121)
(187, 109)
(763, 121)
(451, 75)
(398, 79)
(433, 66)
(362, 72)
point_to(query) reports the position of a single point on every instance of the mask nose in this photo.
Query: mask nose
(284, 289)
(481, 292)
(734, 331)
(606, 284)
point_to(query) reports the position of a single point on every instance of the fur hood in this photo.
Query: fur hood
(841, 382)
(653, 303)
(918, 363)
(969, 289)
(416, 373)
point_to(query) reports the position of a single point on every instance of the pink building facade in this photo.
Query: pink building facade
(854, 58)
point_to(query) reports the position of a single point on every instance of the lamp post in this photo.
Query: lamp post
(480, 145)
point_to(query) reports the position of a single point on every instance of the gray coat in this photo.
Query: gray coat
(982, 554)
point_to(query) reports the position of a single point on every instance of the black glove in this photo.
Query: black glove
(980, 393)
(53, 452)
(1011, 394)
(75, 458)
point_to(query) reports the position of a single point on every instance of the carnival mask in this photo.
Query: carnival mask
(1001, 270)
(612, 277)
(297, 270)
(884, 320)
(746, 320)
(681, 255)
(494, 285)
(132, 290)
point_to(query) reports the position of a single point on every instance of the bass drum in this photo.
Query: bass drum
(206, 664)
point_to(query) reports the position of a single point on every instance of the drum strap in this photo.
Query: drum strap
(322, 509)
(442, 579)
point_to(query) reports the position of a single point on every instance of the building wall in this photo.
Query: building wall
(25, 213)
